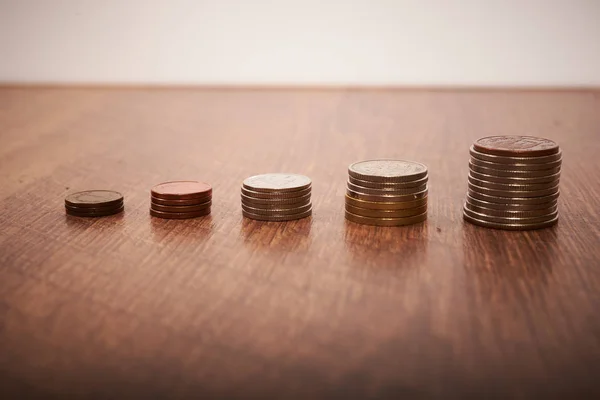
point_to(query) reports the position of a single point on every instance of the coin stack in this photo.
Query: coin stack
(180, 200)
(94, 203)
(386, 192)
(513, 183)
(276, 197)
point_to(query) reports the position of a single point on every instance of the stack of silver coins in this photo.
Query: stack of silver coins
(386, 192)
(513, 183)
(276, 197)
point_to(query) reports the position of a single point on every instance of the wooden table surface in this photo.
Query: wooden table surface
(130, 306)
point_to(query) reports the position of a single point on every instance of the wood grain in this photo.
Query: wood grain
(221, 307)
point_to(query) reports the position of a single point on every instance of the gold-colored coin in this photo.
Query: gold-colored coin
(510, 227)
(386, 191)
(388, 185)
(276, 211)
(386, 221)
(378, 205)
(366, 212)
(386, 198)
(277, 218)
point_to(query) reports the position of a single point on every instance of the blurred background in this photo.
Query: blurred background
(302, 42)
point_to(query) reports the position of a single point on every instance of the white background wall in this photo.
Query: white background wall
(370, 42)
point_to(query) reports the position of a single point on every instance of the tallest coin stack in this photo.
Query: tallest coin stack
(513, 183)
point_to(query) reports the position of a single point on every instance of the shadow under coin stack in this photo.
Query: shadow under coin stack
(181, 200)
(276, 197)
(386, 192)
(513, 183)
(94, 203)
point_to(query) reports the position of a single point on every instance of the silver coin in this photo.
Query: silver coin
(510, 227)
(276, 206)
(368, 190)
(275, 195)
(513, 173)
(510, 213)
(515, 160)
(513, 193)
(388, 170)
(510, 207)
(388, 185)
(386, 198)
(510, 220)
(512, 200)
(277, 183)
(511, 187)
(516, 180)
(279, 200)
(516, 167)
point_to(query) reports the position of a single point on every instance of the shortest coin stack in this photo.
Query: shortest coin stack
(276, 197)
(386, 192)
(94, 203)
(181, 200)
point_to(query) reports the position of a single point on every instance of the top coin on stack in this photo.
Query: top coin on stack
(94, 203)
(276, 197)
(513, 183)
(386, 192)
(180, 200)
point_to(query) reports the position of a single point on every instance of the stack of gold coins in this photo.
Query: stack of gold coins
(387, 192)
(180, 200)
(513, 183)
(276, 197)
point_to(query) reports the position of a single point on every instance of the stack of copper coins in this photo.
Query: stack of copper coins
(276, 197)
(181, 200)
(387, 192)
(94, 203)
(513, 183)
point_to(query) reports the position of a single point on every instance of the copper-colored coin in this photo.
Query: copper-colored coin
(386, 221)
(512, 200)
(178, 203)
(277, 183)
(181, 209)
(510, 213)
(98, 213)
(516, 180)
(276, 206)
(387, 170)
(513, 193)
(510, 220)
(275, 195)
(523, 146)
(94, 199)
(276, 211)
(366, 212)
(513, 174)
(510, 227)
(386, 191)
(511, 186)
(516, 167)
(275, 201)
(173, 215)
(181, 190)
(387, 185)
(386, 198)
(511, 206)
(378, 205)
(515, 160)
(277, 218)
